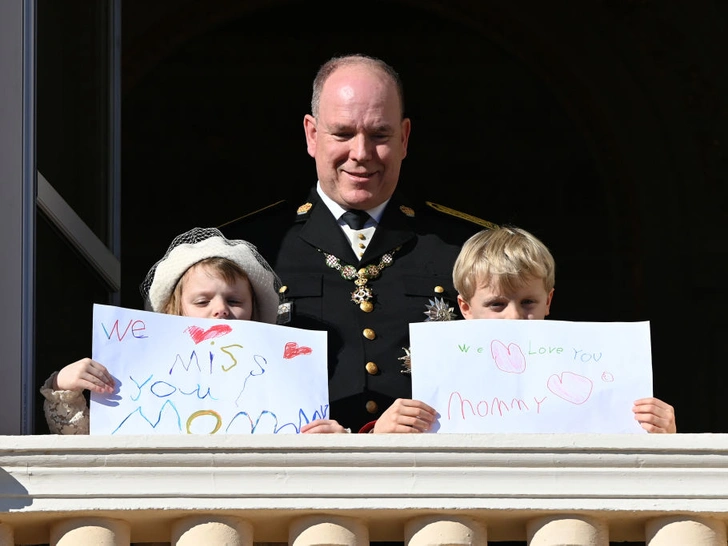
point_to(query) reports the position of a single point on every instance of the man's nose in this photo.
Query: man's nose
(360, 148)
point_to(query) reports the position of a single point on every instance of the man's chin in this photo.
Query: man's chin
(365, 196)
(354, 196)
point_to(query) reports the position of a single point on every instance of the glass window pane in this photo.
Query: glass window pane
(73, 105)
(66, 289)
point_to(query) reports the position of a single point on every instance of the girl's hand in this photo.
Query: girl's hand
(84, 374)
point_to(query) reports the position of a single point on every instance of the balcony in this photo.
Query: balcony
(352, 489)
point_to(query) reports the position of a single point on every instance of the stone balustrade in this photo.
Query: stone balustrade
(351, 489)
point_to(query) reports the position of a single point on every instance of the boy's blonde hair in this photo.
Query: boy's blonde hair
(223, 268)
(506, 257)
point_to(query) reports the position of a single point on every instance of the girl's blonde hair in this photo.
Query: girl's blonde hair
(223, 268)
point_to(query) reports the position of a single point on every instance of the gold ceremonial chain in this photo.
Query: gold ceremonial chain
(363, 294)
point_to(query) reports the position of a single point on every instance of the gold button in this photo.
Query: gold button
(362, 236)
(369, 333)
(372, 406)
(439, 289)
(283, 289)
(362, 245)
(372, 368)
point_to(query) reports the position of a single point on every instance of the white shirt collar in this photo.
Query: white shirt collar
(337, 210)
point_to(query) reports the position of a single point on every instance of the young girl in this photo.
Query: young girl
(203, 275)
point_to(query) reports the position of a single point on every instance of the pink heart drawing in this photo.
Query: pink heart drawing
(508, 359)
(292, 349)
(571, 387)
(198, 334)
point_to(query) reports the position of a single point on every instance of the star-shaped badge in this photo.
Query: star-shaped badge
(439, 310)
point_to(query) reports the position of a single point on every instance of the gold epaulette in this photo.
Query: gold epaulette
(251, 213)
(464, 216)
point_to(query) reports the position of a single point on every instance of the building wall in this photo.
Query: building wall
(16, 214)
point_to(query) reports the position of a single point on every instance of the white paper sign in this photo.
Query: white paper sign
(182, 375)
(531, 375)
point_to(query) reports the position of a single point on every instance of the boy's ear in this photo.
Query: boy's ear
(548, 301)
(464, 307)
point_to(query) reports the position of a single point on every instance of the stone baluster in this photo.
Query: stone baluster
(682, 530)
(208, 529)
(571, 530)
(324, 530)
(92, 530)
(445, 530)
(7, 537)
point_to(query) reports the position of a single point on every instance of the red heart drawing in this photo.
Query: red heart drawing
(571, 387)
(198, 334)
(508, 359)
(292, 349)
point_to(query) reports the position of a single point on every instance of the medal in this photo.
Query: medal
(363, 294)
(439, 310)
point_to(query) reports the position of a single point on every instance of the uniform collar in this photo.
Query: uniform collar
(320, 229)
(337, 210)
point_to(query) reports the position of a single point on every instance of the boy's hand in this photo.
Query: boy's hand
(84, 374)
(654, 415)
(323, 426)
(406, 415)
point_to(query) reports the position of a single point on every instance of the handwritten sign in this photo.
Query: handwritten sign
(531, 375)
(182, 375)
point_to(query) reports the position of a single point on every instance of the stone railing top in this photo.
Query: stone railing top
(505, 478)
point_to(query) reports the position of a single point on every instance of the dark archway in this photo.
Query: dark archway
(222, 113)
(570, 131)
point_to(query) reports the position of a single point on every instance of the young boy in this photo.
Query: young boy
(507, 273)
(504, 273)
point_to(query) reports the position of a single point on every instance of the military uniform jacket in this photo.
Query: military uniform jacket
(364, 348)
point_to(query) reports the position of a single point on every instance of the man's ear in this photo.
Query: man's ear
(548, 302)
(464, 307)
(406, 128)
(309, 127)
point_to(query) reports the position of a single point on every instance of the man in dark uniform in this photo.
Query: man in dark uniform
(355, 257)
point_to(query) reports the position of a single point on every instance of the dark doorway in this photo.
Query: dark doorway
(214, 130)
(214, 96)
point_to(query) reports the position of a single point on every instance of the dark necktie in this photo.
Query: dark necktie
(355, 219)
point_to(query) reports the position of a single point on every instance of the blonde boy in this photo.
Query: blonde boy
(504, 273)
(507, 273)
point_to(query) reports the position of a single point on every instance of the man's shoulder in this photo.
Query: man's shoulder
(264, 226)
(438, 210)
(442, 220)
(281, 212)
(273, 210)
(270, 222)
